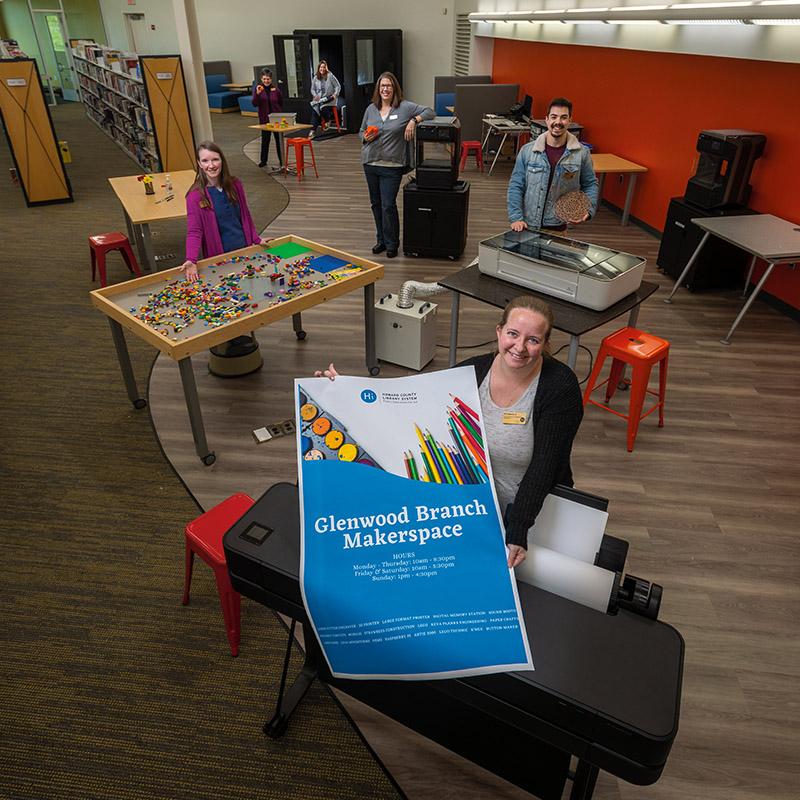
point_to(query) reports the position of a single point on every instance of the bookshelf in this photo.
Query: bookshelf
(115, 98)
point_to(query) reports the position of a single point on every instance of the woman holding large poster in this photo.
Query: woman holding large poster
(532, 407)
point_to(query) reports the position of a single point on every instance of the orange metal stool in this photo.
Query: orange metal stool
(204, 537)
(323, 124)
(641, 350)
(102, 243)
(474, 147)
(298, 143)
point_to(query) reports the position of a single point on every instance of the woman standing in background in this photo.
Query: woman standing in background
(325, 89)
(386, 132)
(268, 99)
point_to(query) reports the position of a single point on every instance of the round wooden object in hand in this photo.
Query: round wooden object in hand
(573, 206)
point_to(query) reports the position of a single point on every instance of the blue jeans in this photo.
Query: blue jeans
(384, 184)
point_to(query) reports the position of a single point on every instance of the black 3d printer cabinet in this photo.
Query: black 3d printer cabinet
(719, 265)
(435, 220)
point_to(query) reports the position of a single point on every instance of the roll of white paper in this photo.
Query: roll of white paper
(570, 528)
(568, 577)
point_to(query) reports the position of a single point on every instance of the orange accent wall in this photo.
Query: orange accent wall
(650, 107)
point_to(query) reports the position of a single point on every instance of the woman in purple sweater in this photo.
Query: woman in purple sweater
(217, 217)
(268, 99)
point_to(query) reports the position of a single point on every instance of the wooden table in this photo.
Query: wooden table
(141, 209)
(608, 162)
(502, 126)
(237, 87)
(569, 317)
(282, 130)
(117, 301)
(764, 236)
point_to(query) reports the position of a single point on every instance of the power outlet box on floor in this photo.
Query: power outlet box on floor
(405, 336)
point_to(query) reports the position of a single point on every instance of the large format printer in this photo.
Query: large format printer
(589, 275)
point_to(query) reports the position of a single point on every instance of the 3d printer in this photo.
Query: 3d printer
(438, 151)
(723, 170)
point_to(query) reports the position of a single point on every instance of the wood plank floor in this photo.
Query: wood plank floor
(709, 503)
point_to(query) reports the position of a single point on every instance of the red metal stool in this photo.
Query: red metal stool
(204, 537)
(102, 243)
(324, 124)
(298, 143)
(475, 148)
(641, 350)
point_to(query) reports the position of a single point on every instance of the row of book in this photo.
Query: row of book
(109, 58)
(131, 90)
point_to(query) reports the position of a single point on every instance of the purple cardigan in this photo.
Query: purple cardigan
(267, 102)
(202, 232)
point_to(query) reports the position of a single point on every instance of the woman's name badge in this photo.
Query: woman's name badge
(514, 418)
(392, 116)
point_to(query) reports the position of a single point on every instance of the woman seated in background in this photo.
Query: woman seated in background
(521, 381)
(325, 89)
(268, 99)
(386, 130)
(217, 217)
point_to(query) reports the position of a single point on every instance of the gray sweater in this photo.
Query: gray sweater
(390, 145)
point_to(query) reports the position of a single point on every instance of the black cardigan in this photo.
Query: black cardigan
(557, 413)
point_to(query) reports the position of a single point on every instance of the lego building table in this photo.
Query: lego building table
(238, 293)
(141, 209)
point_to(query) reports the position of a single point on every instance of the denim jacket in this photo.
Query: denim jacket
(528, 198)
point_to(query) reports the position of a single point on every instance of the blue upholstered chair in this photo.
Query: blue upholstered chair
(441, 101)
(220, 101)
(246, 103)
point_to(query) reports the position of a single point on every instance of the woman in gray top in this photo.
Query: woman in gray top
(325, 89)
(386, 132)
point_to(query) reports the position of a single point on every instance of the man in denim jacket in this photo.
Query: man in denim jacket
(552, 165)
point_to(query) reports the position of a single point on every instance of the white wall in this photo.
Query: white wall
(241, 31)
(769, 43)
(157, 13)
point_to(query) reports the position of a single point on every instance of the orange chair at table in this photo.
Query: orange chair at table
(641, 351)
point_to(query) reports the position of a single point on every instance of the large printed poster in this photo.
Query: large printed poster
(403, 565)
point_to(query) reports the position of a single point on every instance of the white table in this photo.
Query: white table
(501, 126)
(775, 240)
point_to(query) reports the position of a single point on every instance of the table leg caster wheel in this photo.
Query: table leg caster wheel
(374, 371)
(209, 459)
(139, 403)
(300, 335)
(276, 727)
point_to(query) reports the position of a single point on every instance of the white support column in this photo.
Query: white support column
(192, 58)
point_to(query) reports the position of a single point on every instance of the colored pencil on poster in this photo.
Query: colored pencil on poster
(472, 447)
(466, 435)
(407, 462)
(466, 457)
(426, 461)
(469, 475)
(427, 473)
(413, 464)
(470, 425)
(440, 462)
(451, 464)
(429, 458)
(465, 408)
(437, 448)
